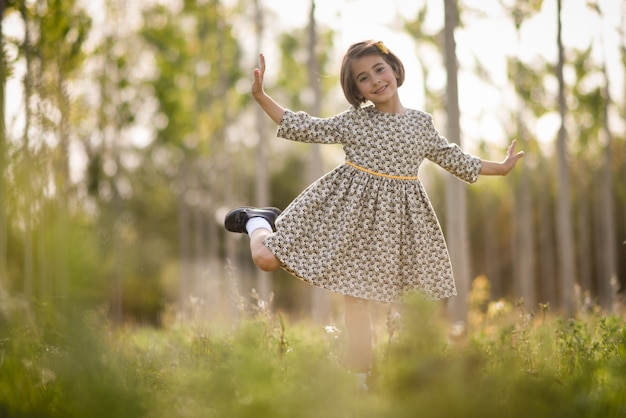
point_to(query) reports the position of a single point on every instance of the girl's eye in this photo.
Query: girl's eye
(362, 79)
(380, 69)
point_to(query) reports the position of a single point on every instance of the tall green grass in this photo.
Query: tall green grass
(508, 364)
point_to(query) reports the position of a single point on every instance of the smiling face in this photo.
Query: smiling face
(360, 58)
(375, 81)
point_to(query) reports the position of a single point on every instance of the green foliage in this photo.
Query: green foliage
(197, 61)
(294, 76)
(522, 10)
(62, 365)
(529, 86)
(75, 364)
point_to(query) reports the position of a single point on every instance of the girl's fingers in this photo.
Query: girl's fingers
(262, 63)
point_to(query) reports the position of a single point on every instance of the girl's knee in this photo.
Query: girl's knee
(263, 258)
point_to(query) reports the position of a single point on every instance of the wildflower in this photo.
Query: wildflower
(495, 309)
(332, 330)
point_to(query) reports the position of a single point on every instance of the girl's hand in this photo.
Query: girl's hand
(273, 109)
(502, 169)
(257, 85)
(511, 158)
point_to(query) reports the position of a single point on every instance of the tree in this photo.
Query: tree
(565, 242)
(523, 212)
(608, 277)
(262, 190)
(529, 84)
(52, 62)
(26, 193)
(4, 4)
(320, 300)
(456, 220)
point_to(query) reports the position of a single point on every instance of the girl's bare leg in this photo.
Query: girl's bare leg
(262, 257)
(359, 330)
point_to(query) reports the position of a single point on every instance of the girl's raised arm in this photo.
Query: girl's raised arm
(273, 109)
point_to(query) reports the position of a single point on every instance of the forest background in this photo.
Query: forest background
(128, 131)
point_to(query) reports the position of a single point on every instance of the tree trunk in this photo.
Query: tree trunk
(320, 299)
(3, 158)
(524, 232)
(526, 239)
(456, 214)
(584, 234)
(493, 264)
(607, 285)
(26, 192)
(547, 254)
(262, 195)
(184, 241)
(566, 260)
(62, 197)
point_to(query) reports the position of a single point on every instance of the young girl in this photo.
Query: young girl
(366, 229)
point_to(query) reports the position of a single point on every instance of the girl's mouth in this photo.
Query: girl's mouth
(380, 90)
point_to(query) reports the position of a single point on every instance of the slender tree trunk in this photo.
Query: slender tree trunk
(567, 266)
(63, 193)
(608, 282)
(110, 128)
(184, 239)
(229, 283)
(199, 251)
(493, 265)
(526, 239)
(547, 253)
(584, 236)
(456, 214)
(45, 262)
(117, 307)
(3, 152)
(222, 189)
(262, 197)
(525, 236)
(320, 299)
(26, 193)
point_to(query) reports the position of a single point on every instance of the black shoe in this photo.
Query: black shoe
(236, 219)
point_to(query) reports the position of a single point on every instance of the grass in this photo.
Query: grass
(509, 363)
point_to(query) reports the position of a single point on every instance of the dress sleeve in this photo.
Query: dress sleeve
(451, 157)
(301, 127)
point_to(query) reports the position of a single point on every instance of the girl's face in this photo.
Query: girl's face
(375, 80)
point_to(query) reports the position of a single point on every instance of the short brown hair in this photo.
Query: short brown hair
(359, 50)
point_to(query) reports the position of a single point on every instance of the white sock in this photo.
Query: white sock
(257, 223)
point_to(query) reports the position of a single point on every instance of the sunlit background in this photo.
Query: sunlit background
(129, 131)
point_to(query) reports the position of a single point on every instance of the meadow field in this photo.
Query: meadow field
(508, 363)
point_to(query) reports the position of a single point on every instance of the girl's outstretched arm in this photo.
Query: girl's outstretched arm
(492, 168)
(273, 109)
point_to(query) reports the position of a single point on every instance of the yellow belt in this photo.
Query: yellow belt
(389, 176)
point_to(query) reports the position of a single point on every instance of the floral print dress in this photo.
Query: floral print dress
(367, 228)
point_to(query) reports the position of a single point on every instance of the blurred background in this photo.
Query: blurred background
(128, 132)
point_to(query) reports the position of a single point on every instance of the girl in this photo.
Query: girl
(366, 229)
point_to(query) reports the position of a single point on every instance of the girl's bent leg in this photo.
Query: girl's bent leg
(262, 257)
(359, 330)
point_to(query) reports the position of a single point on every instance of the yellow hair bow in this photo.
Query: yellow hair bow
(382, 47)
